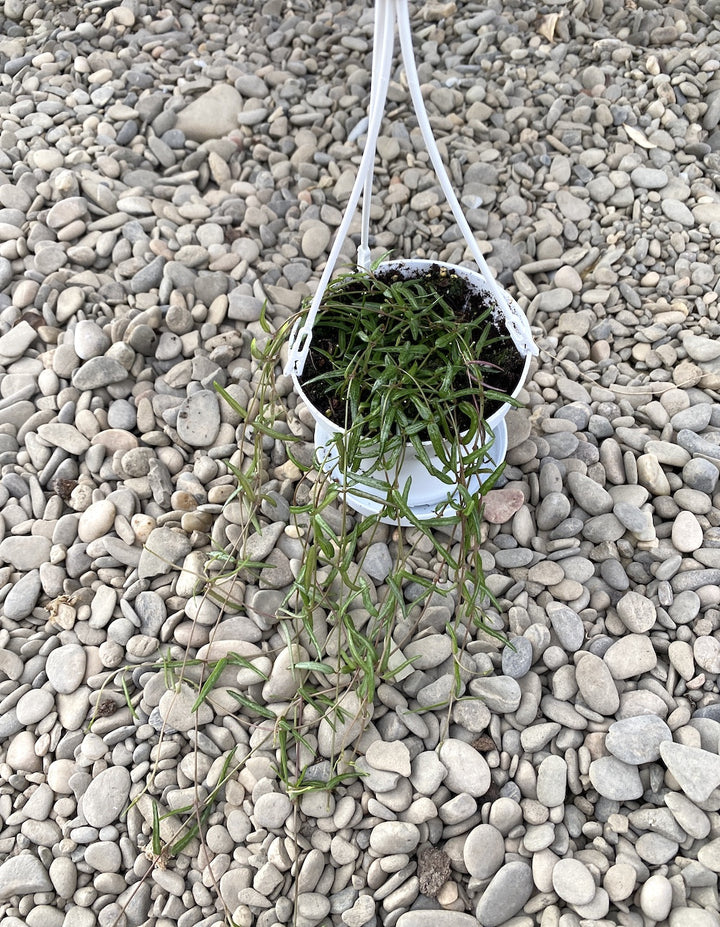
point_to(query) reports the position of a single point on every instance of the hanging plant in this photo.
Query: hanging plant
(409, 374)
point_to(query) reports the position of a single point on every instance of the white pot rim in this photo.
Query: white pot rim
(473, 276)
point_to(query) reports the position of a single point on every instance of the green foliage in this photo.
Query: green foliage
(402, 389)
(196, 817)
(403, 362)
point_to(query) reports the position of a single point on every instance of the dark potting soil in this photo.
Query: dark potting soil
(504, 361)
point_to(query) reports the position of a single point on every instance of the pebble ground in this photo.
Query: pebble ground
(165, 169)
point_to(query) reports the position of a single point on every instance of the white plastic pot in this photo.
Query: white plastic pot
(428, 494)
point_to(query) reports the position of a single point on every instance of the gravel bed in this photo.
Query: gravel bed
(165, 170)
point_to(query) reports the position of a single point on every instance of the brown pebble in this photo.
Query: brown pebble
(196, 521)
(433, 870)
(501, 505)
(184, 501)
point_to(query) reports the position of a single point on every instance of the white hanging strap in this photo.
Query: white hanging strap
(383, 55)
(383, 46)
(515, 319)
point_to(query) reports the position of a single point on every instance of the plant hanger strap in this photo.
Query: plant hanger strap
(382, 61)
(387, 12)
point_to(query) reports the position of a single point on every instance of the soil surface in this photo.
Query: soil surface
(502, 363)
